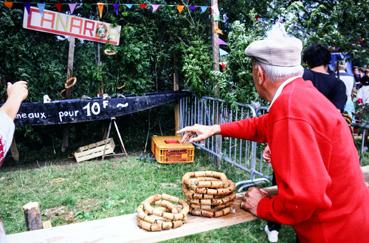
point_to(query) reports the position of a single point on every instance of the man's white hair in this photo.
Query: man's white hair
(276, 73)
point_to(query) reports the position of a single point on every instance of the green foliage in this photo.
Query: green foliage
(342, 25)
(362, 113)
(196, 67)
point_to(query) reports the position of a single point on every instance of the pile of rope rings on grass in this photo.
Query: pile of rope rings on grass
(209, 193)
(162, 212)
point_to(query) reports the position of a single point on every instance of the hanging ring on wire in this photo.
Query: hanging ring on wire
(110, 52)
(70, 82)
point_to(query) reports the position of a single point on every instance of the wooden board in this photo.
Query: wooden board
(124, 229)
(95, 150)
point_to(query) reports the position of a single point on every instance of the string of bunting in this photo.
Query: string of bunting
(100, 6)
(129, 6)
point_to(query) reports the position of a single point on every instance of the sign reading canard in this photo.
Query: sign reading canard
(63, 24)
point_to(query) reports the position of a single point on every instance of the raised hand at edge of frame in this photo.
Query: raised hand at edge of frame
(17, 90)
(201, 132)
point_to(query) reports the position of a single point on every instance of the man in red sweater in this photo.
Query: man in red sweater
(321, 189)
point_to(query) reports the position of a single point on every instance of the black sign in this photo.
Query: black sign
(82, 110)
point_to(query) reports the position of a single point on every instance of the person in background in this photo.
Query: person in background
(349, 82)
(363, 93)
(317, 57)
(16, 92)
(357, 74)
(312, 151)
(346, 78)
(365, 78)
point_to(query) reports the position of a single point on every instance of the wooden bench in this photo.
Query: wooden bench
(124, 228)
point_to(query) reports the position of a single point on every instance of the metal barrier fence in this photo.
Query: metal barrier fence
(243, 154)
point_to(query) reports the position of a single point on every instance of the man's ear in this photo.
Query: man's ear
(261, 75)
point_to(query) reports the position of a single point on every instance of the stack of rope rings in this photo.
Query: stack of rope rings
(162, 212)
(209, 193)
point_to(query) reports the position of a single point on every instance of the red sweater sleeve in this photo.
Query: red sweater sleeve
(251, 129)
(301, 175)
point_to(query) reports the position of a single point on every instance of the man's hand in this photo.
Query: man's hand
(267, 155)
(202, 132)
(18, 90)
(252, 198)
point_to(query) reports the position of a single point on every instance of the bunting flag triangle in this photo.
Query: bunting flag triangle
(143, 5)
(221, 42)
(58, 6)
(28, 7)
(203, 9)
(72, 7)
(41, 7)
(155, 7)
(8, 4)
(180, 8)
(100, 7)
(222, 52)
(116, 8)
(128, 5)
(192, 8)
(218, 31)
(225, 18)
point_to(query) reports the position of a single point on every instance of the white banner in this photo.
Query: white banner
(70, 25)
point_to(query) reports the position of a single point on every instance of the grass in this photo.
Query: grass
(70, 193)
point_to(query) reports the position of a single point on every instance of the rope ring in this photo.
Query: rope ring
(215, 201)
(212, 179)
(204, 193)
(70, 82)
(109, 52)
(172, 216)
(210, 214)
(169, 212)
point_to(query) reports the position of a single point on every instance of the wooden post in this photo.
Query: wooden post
(214, 39)
(2, 233)
(32, 216)
(214, 27)
(68, 92)
(176, 88)
(14, 150)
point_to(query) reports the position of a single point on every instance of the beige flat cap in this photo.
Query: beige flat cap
(282, 51)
